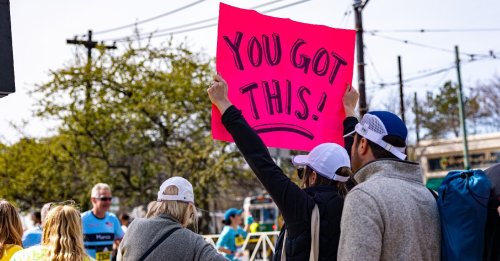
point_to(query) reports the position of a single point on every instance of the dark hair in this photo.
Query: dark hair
(379, 152)
(320, 180)
(37, 215)
(124, 216)
(227, 222)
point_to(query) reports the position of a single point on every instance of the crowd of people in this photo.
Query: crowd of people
(360, 201)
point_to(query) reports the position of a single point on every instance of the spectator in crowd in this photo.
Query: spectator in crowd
(124, 221)
(323, 172)
(232, 237)
(101, 229)
(62, 237)
(33, 236)
(11, 230)
(163, 234)
(389, 214)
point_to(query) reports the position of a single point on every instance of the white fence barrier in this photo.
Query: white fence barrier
(262, 242)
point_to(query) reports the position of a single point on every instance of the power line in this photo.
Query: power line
(168, 31)
(346, 13)
(425, 75)
(454, 30)
(471, 55)
(150, 19)
(285, 6)
(266, 4)
(125, 38)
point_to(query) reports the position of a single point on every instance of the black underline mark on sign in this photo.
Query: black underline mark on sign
(272, 127)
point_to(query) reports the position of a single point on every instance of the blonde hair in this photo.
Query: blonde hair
(62, 234)
(184, 212)
(11, 228)
(97, 188)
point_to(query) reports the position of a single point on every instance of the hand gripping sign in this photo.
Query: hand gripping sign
(288, 78)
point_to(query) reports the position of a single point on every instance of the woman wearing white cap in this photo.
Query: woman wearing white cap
(163, 235)
(312, 215)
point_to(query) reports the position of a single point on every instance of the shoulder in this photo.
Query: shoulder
(111, 216)
(13, 250)
(377, 184)
(361, 195)
(33, 231)
(226, 230)
(86, 214)
(137, 224)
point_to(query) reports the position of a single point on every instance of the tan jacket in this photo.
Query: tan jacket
(390, 215)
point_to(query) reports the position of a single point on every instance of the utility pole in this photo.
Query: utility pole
(417, 117)
(401, 96)
(462, 111)
(89, 44)
(358, 8)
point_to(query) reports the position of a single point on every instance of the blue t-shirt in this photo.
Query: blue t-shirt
(32, 237)
(100, 233)
(231, 239)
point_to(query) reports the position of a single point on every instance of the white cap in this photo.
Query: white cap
(373, 128)
(185, 190)
(325, 159)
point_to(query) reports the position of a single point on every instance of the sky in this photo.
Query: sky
(40, 30)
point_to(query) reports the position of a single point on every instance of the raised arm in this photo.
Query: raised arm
(290, 199)
(349, 100)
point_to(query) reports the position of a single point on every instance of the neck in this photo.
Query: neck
(234, 226)
(99, 214)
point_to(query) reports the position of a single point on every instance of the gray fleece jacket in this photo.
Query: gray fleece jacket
(390, 215)
(183, 244)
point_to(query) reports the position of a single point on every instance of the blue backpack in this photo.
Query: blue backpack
(463, 205)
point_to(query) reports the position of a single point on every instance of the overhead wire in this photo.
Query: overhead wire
(169, 31)
(125, 38)
(425, 75)
(346, 14)
(184, 7)
(471, 55)
(453, 30)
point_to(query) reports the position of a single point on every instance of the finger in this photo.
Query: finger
(219, 78)
(348, 87)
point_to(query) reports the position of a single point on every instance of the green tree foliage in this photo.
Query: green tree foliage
(131, 120)
(439, 112)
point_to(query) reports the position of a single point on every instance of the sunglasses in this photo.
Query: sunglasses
(104, 198)
(300, 172)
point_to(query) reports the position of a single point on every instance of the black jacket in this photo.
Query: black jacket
(295, 204)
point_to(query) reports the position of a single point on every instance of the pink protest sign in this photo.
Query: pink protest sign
(288, 78)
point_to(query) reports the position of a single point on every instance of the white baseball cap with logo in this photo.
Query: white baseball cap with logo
(325, 159)
(185, 189)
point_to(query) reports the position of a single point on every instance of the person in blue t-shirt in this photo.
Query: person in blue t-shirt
(232, 236)
(102, 231)
(33, 236)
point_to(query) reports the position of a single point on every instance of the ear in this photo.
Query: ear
(312, 178)
(363, 148)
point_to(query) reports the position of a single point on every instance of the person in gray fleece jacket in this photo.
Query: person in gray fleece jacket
(390, 214)
(172, 213)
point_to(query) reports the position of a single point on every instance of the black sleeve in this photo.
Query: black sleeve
(293, 202)
(349, 124)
